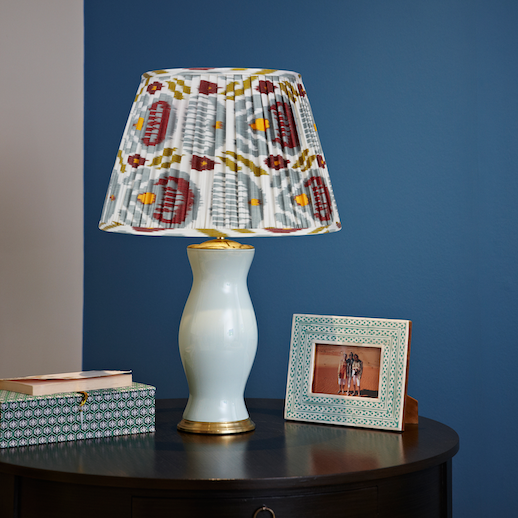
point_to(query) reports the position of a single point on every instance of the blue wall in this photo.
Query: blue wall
(417, 108)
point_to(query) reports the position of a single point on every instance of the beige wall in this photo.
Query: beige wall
(41, 172)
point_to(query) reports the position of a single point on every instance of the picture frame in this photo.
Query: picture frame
(320, 380)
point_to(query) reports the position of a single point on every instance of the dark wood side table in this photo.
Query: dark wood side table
(294, 469)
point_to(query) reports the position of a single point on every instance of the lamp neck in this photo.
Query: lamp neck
(221, 244)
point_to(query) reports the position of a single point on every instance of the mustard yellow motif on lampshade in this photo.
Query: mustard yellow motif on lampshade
(147, 198)
(302, 199)
(260, 124)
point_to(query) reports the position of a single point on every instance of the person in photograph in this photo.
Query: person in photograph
(342, 369)
(349, 371)
(357, 370)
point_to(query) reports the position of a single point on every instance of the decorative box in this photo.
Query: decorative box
(28, 420)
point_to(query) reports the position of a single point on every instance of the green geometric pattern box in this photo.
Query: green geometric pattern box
(28, 420)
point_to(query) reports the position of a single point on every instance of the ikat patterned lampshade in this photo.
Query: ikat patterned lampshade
(220, 152)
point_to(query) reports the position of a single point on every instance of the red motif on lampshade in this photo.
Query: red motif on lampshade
(202, 163)
(321, 198)
(286, 134)
(265, 87)
(276, 162)
(320, 161)
(157, 123)
(136, 160)
(177, 201)
(207, 88)
(154, 87)
(274, 230)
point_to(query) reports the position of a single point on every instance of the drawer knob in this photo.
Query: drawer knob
(264, 508)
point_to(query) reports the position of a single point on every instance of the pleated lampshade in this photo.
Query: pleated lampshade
(220, 152)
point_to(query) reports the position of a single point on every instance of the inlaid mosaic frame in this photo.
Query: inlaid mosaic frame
(317, 341)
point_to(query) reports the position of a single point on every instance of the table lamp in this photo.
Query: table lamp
(220, 153)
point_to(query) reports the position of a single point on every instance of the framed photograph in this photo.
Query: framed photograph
(348, 371)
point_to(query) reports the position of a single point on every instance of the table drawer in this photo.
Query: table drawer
(360, 503)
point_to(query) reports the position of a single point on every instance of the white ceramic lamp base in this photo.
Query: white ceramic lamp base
(218, 340)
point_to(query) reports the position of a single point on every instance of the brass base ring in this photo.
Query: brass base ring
(246, 425)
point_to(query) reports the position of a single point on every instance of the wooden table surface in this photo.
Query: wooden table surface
(279, 454)
(276, 449)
